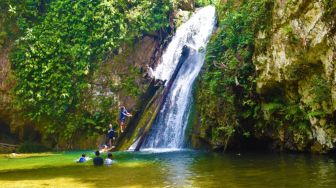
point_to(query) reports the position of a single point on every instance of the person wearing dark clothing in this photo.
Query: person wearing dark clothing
(122, 118)
(98, 161)
(111, 136)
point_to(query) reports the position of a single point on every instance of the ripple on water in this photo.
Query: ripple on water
(171, 169)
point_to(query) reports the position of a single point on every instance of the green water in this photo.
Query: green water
(171, 169)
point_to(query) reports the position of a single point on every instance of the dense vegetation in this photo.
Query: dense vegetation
(226, 94)
(233, 109)
(61, 45)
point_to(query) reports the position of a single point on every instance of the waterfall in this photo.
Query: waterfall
(168, 130)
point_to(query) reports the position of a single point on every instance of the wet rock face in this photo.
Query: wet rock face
(187, 5)
(128, 63)
(8, 114)
(297, 55)
(5, 83)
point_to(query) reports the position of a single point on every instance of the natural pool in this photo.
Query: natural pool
(171, 169)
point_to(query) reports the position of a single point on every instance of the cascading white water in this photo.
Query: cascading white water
(169, 127)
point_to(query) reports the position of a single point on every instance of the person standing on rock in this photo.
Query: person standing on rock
(122, 118)
(111, 136)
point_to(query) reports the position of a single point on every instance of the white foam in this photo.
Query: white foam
(194, 33)
(168, 131)
(163, 150)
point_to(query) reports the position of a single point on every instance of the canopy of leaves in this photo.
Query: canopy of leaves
(63, 41)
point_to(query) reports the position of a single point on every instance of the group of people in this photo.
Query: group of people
(97, 161)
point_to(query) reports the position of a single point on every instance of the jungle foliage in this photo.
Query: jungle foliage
(226, 92)
(62, 44)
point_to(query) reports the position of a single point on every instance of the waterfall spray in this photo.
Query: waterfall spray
(168, 130)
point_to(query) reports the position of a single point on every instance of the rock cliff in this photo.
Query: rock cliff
(283, 95)
(296, 61)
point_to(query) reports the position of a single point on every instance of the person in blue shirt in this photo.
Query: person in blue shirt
(111, 136)
(122, 118)
(82, 159)
(98, 161)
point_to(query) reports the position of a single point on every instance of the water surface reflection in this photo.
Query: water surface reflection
(173, 169)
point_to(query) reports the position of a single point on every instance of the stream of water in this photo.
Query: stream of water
(168, 130)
